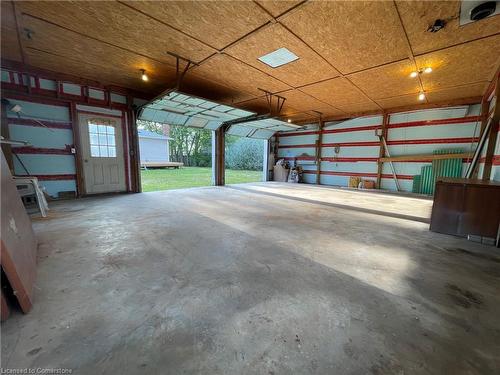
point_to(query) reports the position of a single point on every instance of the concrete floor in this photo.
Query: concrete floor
(257, 279)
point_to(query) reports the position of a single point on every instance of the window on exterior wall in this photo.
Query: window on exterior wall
(102, 138)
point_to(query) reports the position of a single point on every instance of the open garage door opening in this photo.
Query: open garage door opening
(244, 159)
(174, 157)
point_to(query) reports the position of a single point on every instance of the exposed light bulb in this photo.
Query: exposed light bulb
(428, 69)
(144, 76)
(289, 121)
(421, 96)
(413, 74)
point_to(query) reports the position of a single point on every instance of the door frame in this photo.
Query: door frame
(82, 192)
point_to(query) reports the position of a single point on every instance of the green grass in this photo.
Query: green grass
(186, 177)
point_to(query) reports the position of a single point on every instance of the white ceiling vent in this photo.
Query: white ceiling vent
(279, 57)
(472, 11)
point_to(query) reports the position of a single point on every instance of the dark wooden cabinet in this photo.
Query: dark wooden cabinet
(466, 207)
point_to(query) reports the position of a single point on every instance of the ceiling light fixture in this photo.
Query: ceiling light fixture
(144, 76)
(278, 58)
(421, 96)
(426, 70)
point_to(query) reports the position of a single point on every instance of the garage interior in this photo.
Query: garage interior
(384, 259)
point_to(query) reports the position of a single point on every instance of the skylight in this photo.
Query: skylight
(278, 58)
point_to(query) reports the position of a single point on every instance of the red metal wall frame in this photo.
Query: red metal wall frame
(367, 140)
(17, 90)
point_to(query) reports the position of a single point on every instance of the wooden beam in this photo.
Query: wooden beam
(220, 135)
(135, 162)
(426, 157)
(80, 187)
(492, 140)
(319, 149)
(381, 152)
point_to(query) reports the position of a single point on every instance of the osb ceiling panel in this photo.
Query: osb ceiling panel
(217, 23)
(470, 91)
(278, 7)
(352, 35)
(417, 16)
(67, 44)
(388, 80)
(230, 72)
(260, 105)
(70, 66)
(336, 92)
(119, 25)
(459, 65)
(304, 102)
(10, 42)
(367, 106)
(111, 41)
(204, 88)
(399, 101)
(307, 69)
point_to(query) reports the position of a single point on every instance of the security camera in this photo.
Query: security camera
(473, 11)
(483, 10)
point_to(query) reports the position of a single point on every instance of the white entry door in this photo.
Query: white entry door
(102, 153)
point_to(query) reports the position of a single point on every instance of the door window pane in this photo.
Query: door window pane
(102, 138)
(94, 139)
(94, 151)
(103, 151)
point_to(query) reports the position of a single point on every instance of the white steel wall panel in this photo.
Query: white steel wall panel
(465, 130)
(364, 152)
(408, 134)
(354, 136)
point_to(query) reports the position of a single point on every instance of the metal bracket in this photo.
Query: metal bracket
(179, 76)
(280, 101)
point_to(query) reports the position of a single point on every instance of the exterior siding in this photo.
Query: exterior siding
(152, 149)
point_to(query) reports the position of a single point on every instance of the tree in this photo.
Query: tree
(193, 147)
(245, 153)
(151, 126)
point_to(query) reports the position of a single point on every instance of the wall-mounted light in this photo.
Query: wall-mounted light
(421, 96)
(144, 76)
(289, 121)
(425, 70)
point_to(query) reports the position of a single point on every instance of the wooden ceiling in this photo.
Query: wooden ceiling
(353, 56)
